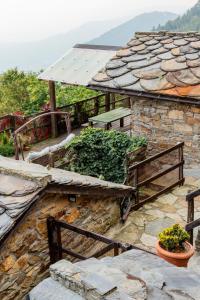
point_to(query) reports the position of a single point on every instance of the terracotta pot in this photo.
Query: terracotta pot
(177, 259)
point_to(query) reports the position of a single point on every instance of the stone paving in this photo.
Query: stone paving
(133, 275)
(142, 226)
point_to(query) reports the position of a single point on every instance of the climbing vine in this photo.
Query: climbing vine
(101, 153)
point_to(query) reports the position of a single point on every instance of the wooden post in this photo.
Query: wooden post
(96, 106)
(78, 108)
(135, 184)
(116, 250)
(107, 102)
(190, 216)
(54, 240)
(180, 153)
(112, 101)
(52, 93)
(16, 147)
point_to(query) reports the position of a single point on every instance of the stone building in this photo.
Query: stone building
(160, 71)
(29, 193)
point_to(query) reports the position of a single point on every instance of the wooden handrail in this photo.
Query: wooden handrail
(84, 232)
(134, 171)
(81, 101)
(190, 226)
(156, 156)
(160, 174)
(190, 214)
(55, 243)
(17, 131)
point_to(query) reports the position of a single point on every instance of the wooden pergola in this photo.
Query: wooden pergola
(86, 60)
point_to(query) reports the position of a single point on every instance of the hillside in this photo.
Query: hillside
(190, 21)
(145, 22)
(35, 56)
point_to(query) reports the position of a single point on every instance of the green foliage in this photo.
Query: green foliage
(101, 153)
(23, 92)
(70, 94)
(172, 239)
(137, 142)
(6, 145)
(190, 21)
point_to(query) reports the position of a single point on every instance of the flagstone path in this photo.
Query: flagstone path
(142, 226)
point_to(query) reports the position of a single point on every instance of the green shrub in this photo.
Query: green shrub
(6, 145)
(101, 153)
(172, 239)
(7, 150)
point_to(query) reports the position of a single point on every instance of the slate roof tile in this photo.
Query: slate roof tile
(193, 63)
(21, 183)
(187, 77)
(195, 45)
(163, 63)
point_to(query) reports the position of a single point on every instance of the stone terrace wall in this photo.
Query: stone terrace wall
(24, 258)
(168, 122)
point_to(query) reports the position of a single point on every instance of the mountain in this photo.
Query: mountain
(190, 21)
(121, 34)
(34, 56)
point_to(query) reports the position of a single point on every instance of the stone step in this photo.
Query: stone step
(133, 275)
(93, 279)
(50, 289)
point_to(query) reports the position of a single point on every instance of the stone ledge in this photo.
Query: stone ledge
(132, 275)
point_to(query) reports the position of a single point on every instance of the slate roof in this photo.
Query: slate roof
(79, 64)
(163, 63)
(21, 183)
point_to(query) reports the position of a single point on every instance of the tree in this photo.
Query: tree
(20, 91)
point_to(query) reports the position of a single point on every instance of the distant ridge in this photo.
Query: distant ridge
(121, 34)
(34, 56)
(190, 21)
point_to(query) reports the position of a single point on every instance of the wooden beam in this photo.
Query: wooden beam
(52, 94)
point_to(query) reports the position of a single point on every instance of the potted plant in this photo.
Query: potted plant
(173, 246)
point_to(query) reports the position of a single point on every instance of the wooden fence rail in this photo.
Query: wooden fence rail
(56, 249)
(79, 114)
(135, 171)
(191, 223)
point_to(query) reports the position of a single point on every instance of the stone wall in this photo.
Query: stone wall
(24, 258)
(169, 122)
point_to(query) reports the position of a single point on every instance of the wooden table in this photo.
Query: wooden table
(111, 116)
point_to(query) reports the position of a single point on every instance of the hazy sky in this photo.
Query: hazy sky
(22, 20)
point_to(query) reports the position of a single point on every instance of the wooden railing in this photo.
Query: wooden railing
(57, 250)
(8, 123)
(191, 223)
(142, 175)
(79, 113)
(17, 140)
(82, 110)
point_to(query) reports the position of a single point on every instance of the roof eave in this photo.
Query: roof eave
(90, 190)
(154, 96)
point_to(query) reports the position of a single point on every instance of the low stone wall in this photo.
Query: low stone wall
(168, 122)
(24, 258)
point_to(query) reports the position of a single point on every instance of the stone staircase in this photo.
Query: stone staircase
(132, 275)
